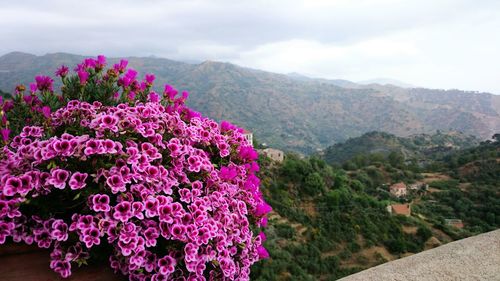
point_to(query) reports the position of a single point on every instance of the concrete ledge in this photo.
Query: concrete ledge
(473, 258)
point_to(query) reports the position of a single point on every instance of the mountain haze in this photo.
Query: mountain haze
(386, 81)
(293, 112)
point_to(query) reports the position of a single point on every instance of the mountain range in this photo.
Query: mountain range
(293, 112)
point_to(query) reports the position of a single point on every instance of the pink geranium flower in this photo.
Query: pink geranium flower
(172, 194)
(58, 178)
(100, 203)
(77, 181)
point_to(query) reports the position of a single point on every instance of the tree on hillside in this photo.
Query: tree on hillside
(496, 137)
(314, 184)
(396, 158)
(5, 94)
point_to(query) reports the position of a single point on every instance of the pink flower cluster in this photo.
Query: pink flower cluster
(174, 194)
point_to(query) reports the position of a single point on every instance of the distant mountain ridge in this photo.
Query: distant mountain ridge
(386, 81)
(297, 114)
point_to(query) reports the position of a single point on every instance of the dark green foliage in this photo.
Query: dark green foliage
(477, 202)
(314, 184)
(4, 94)
(285, 231)
(328, 216)
(325, 210)
(445, 184)
(478, 207)
(374, 147)
(396, 159)
(104, 92)
(424, 233)
(294, 169)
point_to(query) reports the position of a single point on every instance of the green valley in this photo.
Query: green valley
(331, 221)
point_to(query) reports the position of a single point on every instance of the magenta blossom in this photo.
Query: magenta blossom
(59, 230)
(90, 236)
(167, 265)
(263, 254)
(62, 267)
(12, 186)
(170, 92)
(136, 172)
(33, 88)
(5, 230)
(120, 67)
(228, 173)
(77, 181)
(8, 105)
(149, 78)
(154, 97)
(83, 76)
(44, 83)
(123, 211)
(101, 62)
(109, 122)
(115, 182)
(46, 111)
(5, 134)
(62, 71)
(100, 203)
(263, 209)
(58, 178)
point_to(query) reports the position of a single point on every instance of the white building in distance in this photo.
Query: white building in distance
(275, 154)
(248, 137)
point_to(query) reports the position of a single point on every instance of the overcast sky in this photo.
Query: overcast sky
(431, 43)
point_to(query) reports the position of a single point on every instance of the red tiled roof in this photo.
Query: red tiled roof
(455, 223)
(399, 185)
(401, 209)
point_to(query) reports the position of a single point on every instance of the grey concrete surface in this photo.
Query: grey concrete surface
(473, 258)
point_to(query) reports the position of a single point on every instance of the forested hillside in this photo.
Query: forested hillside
(330, 222)
(418, 147)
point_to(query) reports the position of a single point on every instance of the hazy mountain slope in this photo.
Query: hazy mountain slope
(289, 112)
(386, 81)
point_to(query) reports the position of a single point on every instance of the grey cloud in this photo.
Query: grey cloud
(244, 24)
(233, 30)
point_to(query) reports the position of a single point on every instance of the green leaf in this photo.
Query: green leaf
(51, 165)
(77, 196)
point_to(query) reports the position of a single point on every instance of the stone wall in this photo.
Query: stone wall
(473, 258)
